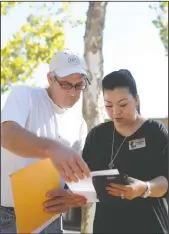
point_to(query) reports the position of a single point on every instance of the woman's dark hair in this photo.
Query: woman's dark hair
(121, 79)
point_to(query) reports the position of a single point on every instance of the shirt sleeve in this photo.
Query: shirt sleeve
(162, 155)
(16, 107)
(163, 168)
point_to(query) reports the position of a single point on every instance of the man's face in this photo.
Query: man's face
(62, 90)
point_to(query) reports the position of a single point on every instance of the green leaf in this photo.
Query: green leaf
(35, 43)
(7, 6)
(161, 22)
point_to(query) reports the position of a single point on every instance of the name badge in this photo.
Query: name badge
(137, 144)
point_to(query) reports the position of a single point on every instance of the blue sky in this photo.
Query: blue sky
(130, 41)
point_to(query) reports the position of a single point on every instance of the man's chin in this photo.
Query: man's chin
(70, 104)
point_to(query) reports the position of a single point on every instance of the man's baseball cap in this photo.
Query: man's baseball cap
(66, 62)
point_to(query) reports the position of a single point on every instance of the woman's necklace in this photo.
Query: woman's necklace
(113, 157)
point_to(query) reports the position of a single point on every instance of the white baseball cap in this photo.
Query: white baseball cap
(66, 62)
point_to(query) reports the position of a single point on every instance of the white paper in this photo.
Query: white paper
(85, 187)
(105, 172)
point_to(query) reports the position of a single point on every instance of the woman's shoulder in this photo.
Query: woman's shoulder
(100, 130)
(156, 126)
(102, 127)
(157, 131)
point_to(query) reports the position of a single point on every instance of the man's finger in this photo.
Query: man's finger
(56, 209)
(83, 166)
(55, 202)
(69, 171)
(63, 175)
(58, 193)
(77, 171)
(63, 193)
(63, 200)
(78, 204)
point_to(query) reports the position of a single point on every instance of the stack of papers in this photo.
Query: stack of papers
(85, 187)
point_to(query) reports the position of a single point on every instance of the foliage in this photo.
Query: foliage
(161, 22)
(35, 43)
(7, 6)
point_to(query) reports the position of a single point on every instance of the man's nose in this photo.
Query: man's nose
(72, 91)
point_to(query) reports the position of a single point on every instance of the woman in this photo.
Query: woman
(137, 147)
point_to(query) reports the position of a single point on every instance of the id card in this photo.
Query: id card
(137, 144)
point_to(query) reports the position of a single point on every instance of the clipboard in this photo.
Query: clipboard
(29, 188)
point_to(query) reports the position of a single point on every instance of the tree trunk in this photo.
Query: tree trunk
(93, 105)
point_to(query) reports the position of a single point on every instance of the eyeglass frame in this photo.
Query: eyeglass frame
(71, 85)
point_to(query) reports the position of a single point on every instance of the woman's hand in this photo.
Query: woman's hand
(61, 200)
(136, 189)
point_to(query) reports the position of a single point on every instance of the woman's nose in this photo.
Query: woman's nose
(116, 111)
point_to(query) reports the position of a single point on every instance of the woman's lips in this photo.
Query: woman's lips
(118, 119)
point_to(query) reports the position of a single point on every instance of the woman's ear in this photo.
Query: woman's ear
(137, 100)
(138, 104)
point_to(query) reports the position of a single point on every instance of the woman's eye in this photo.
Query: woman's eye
(123, 105)
(108, 106)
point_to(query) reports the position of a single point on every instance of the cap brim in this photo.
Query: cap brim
(70, 71)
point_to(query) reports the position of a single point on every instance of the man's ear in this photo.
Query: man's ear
(50, 78)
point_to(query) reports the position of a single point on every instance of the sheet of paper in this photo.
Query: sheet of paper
(105, 172)
(85, 187)
(29, 187)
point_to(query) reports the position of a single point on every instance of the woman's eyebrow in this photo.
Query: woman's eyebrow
(107, 101)
(123, 99)
(118, 101)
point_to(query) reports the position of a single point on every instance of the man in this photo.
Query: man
(39, 123)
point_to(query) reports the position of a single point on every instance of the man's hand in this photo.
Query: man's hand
(70, 165)
(26, 144)
(61, 200)
(136, 189)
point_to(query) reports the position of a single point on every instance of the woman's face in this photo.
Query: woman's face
(120, 105)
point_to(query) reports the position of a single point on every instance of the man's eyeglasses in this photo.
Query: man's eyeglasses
(68, 86)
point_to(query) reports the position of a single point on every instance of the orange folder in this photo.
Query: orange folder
(29, 187)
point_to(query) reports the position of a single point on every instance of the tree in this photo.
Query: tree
(29, 47)
(93, 106)
(7, 6)
(161, 22)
